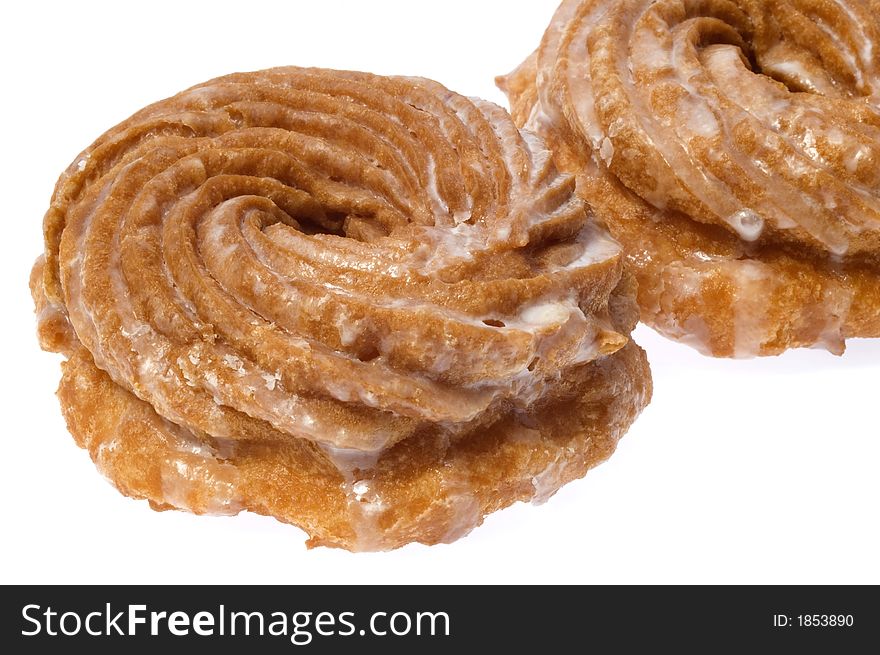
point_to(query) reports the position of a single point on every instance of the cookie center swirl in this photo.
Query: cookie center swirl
(332, 256)
(760, 117)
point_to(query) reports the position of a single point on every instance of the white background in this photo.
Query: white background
(739, 471)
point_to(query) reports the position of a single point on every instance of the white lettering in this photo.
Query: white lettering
(154, 621)
(299, 636)
(134, 619)
(178, 623)
(113, 623)
(394, 618)
(373, 624)
(203, 624)
(24, 615)
(94, 633)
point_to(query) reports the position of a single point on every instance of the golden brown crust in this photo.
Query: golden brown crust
(733, 150)
(364, 305)
(424, 489)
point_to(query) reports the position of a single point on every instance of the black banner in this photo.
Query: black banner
(437, 619)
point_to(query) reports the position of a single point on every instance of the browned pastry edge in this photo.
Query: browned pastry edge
(430, 492)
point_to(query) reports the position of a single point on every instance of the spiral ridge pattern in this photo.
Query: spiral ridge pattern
(733, 147)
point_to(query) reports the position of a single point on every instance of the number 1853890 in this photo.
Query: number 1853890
(825, 620)
(814, 620)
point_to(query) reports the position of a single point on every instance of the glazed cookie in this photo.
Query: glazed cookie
(733, 148)
(364, 305)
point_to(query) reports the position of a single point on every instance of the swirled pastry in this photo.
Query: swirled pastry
(364, 305)
(733, 148)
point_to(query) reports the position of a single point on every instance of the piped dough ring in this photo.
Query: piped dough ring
(733, 148)
(364, 305)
